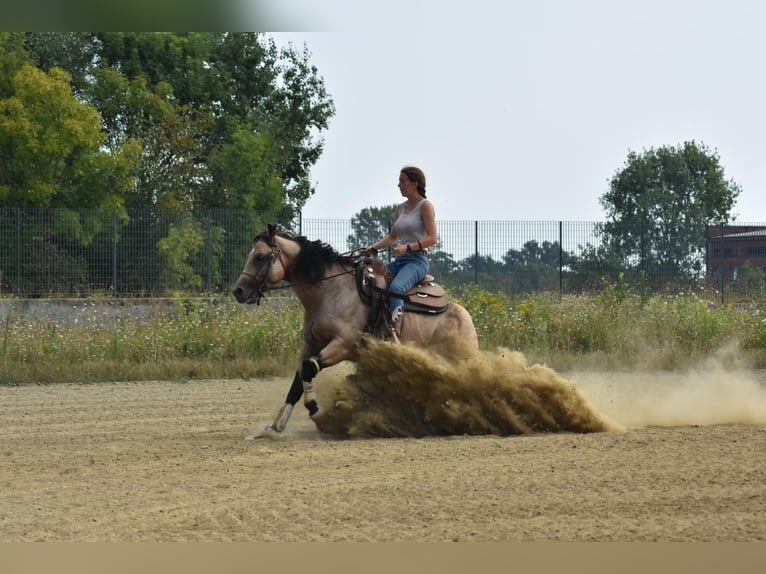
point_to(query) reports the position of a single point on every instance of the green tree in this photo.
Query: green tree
(441, 264)
(195, 101)
(370, 224)
(659, 204)
(214, 121)
(70, 51)
(242, 165)
(179, 250)
(750, 282)
(481, 264)
(535, 267)
(549, 253)
(170, 171)
(594, 267)
(230, 91)
(51, 151)
(13, 55)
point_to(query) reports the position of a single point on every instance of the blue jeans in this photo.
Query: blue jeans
(407, 270)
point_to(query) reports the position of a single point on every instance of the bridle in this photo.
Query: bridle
(260, 278)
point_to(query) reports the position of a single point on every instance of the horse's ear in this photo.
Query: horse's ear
(272, 231)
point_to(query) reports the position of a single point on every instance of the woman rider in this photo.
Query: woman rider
(413, 232)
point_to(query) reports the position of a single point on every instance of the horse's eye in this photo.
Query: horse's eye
(261, 256)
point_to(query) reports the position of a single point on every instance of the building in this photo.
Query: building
(730, 247)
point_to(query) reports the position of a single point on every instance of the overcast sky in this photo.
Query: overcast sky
(525, 110)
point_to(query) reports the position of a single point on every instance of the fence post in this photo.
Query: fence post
(114, 253)
(561, 260)
(643, 251)
(209, 254)
(18, 252)
(476, 252)
(723, 261)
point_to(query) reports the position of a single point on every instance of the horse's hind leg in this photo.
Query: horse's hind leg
(310, 369)
(337, 350)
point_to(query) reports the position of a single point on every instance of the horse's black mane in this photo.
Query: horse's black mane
(314, 258)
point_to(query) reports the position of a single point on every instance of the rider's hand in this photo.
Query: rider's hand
(370, 250)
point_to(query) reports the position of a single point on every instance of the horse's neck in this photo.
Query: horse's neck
(334, 292)
(289, 250)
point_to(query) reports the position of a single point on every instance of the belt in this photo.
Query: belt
(423, 251)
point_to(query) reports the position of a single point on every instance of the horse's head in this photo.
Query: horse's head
(264, 268)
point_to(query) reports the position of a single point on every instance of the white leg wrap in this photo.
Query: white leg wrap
(284, 414)
(308, 392)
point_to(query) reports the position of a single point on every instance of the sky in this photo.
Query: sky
(524, 110)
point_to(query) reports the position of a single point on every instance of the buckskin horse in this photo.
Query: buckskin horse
(339, 294)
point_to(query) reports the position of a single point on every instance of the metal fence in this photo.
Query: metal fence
(133, 253)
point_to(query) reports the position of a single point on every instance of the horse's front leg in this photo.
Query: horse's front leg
(293, 396)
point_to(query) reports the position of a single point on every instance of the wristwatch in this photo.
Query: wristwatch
(409, 248)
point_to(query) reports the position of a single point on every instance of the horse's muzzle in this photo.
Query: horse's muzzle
(248, 295)
(239, 294)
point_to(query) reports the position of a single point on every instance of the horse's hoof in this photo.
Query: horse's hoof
(312, 407)
(269, 431)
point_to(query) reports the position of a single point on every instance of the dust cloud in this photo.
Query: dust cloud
(720, 390)
(407, 391)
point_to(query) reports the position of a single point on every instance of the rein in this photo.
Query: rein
(290, 285)
(276, 253)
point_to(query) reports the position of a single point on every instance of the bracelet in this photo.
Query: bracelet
(420, 245)
(409, 248)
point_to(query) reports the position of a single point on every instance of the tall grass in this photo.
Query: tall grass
(200, 340)
(203, 339)
(617, 328)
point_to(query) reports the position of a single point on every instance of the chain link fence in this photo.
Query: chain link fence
(147, 253)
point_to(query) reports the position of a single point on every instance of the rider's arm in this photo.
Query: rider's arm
(429, 222)
(388, 240)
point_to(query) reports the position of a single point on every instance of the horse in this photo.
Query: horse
(336, 310)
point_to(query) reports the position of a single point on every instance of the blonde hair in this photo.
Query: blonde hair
(416, 175)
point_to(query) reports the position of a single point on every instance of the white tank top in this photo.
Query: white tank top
(410, 226)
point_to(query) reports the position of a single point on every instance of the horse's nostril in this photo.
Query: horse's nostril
(237, 291)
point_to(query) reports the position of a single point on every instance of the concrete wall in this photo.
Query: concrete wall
(109, 311)
(100, 311)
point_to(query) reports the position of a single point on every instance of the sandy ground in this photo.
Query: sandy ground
(681, 459)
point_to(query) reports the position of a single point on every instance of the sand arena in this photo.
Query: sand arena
(492, 449)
